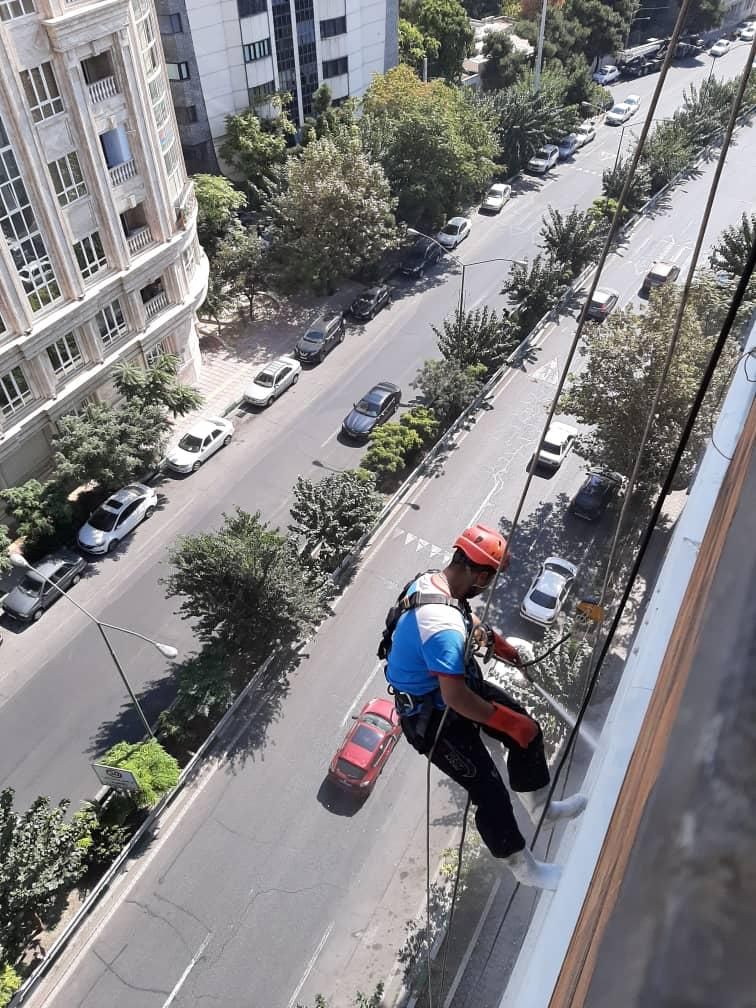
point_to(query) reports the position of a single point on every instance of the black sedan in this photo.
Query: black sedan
(370, 302)
(37, 590)
(595, 495)
(373, 409)
(424, 253)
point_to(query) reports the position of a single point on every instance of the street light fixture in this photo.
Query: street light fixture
(167, 650)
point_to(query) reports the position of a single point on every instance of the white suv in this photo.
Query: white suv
(557, 445)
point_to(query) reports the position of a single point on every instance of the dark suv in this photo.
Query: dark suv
(320, 338)
(424, 253)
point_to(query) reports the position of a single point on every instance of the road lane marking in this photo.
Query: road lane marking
(310, 964)
(361, 693)
(192, 963)
(330, 438)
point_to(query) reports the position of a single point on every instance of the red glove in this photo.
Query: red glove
(522, 728)
(504, 650)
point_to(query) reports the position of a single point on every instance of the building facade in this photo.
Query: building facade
(224, 56)
(99, 259)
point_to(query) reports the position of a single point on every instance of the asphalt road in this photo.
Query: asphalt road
(266, 887)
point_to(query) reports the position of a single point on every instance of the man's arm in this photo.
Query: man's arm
(458, 695)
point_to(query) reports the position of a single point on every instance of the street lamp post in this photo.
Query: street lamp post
(167, 650)
(622, 136)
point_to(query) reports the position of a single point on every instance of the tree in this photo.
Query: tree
(504, 64)
(236, 269)
(42, 853)
(394, 446)
(702, 14)
(574, 239)
(5, 542)
(257, 149)
(10, 981)
(448, 388)
(535, 290)
(39, 509)
(480, 336)
(623, 360)
(110, 445)
(155, 770)
(414, 47)
(436, 143)
(217, 203)
(669, 150)
(526, 121)
(446, 28)
(335, 217)
(613, 181)
(333, 514)
(245, 587)
(158, 385)
(732, 248)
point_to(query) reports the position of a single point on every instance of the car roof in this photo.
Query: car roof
(606, 66)
(556, 427)
(499, 187)
(49, 564)
(205, 426)
(549, 580)
(129, 493)
(372, 291)
(385, 386)
(661, 268)
(602, 294)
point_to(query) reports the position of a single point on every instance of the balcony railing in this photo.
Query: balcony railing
(156, 305)
(102, 89)
(122, 172)
(139, 240)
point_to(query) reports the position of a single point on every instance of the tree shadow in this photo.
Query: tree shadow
(127, 726)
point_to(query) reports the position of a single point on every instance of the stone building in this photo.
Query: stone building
(99, 259)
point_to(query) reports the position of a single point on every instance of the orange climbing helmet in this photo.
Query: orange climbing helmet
(483, 545)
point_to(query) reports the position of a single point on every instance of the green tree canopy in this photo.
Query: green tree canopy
(414, 47)
(156, 771)
(535, 290)
(448, 388)
(624, 356)
(481, 336)
(217, 203)
(5, 542)
(395, 446)
(613, 181)
(573, 239)
(504, 64)
(731, 250)
(436, 143)
(38, 509)
(157, 385)
(333, 514)
(256, 149)
(525, 121)
(447, 34)
(41, 854)
(245, 587)
(335, 215)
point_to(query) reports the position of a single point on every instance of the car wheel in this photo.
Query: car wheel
(226, 440)
(295, 379)
(75, 579)
(37, 615)
(321, 357)
(341, 336)
(149, 513)
(196, 465)
(270, 401)
(111, 545)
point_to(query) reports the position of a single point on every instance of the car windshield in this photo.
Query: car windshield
(103, 520)
(593, 485)
(31, 585)
(605, 69)
(452, 229)
(365, 738)
(543, 600)
(363, 302)
(558, 569)
(551, 448)
(190, 443)
(313, 336)
(541, 155)
(377, 720)
(619, 109)
(266, 379)
(370, 405)
(350, 770)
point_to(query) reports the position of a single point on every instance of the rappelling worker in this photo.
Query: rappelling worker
(430, 668)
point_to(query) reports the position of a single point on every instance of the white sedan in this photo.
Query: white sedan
(557, 444)
(633, 100)
(543, 159)
(454, 232)
(720, 48)
(200, 442)
(747, 33)
(585, 133)
(495, 198)
(548, 591)
(272, 380)
(116, 517)
(606, 74)
(619, 114)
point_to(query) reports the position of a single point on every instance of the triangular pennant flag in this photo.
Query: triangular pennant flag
(435, 549)
(422, 543)
(409, 538)
(397, 532)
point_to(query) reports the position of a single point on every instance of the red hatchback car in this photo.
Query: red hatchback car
(364, 752)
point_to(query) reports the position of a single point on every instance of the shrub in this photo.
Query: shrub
(156, 772)
(10, 981)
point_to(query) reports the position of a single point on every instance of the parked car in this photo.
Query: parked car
(272, 381)
(370, 302)
(454, 232)
(363, 754)
(585, 133)
(548, 591)
(495, 198)
(38, 588)
(321, 337)
(119, 515)
(567, 146)
(202, 440)
(660, 273)
(595, 495)
(619, 114)
(544, 159)
(557, 444)
(720, 48)
(602, 302)
(633, 100)
(747, 33)
(606, 74)
(424, 253)
(375, 408)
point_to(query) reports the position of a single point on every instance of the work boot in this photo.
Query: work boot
(568, 808)
(530, 872)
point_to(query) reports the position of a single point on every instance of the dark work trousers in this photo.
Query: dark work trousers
(461, 754)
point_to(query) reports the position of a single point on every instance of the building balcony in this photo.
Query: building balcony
(139, 240)
(157, 304)
(122, 172)
(102, 89)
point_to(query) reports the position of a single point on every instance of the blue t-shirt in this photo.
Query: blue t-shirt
(428, 641)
